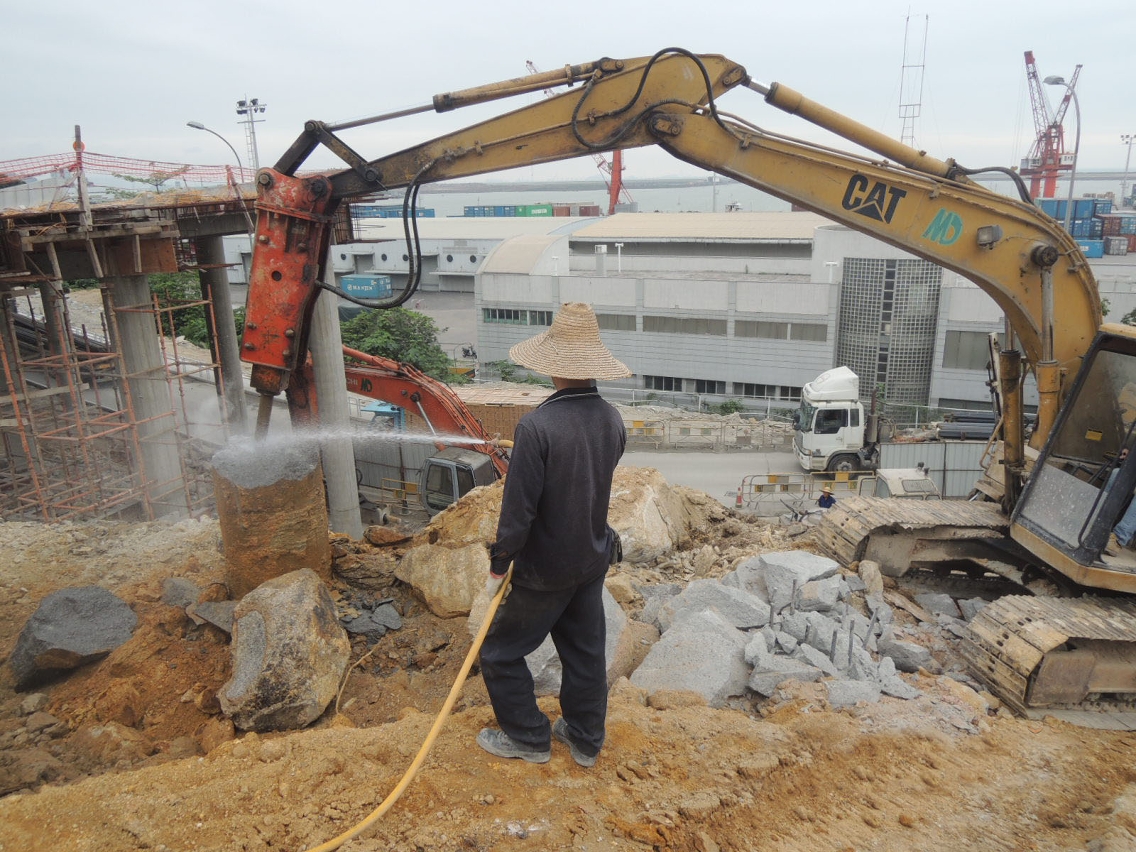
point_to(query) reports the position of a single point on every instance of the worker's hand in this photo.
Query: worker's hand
(493, 583)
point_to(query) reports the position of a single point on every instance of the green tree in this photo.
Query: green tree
(1106, 306)
(174, 289)
(1129, 318)
(729, 406)
(507, 370)
(403, 335)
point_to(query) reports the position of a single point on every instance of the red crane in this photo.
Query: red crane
(612, 171)
(1047, 158)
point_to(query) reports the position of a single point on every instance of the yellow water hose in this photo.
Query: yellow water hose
(428, 743)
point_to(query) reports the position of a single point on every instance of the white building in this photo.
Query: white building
(746, 306)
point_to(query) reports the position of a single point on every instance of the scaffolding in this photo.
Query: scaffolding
(73, 446)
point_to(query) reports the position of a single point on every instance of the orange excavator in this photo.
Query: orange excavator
(467, 456)
(1053, 499)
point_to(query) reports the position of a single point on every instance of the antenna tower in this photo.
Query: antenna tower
(911, 79)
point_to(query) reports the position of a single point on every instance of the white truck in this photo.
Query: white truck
(833, 432)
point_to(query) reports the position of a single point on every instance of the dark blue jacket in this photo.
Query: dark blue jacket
(553, 520)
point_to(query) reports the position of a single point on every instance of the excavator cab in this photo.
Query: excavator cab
(1081, 482)
(451, 474)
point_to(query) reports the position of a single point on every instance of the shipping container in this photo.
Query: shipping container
(1115, 245)
(388, 211)
(1079, 229)
(1049, 206)
(589, 210)
(561, 210)
(366, 286)
(1092, 248)
(1083, 208)
(1131, 242)
(1096, 228)
(1102, 205)
(1110, 224)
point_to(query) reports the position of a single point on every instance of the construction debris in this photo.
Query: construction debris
(764, 709)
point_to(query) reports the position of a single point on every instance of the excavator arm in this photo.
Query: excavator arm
(930, 208)
(407, 387)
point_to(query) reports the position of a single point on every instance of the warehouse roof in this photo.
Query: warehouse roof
(470, 227)
(716, 227)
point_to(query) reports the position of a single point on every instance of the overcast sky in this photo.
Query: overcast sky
(132, 73)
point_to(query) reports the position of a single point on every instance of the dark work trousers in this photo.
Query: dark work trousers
(575, 619)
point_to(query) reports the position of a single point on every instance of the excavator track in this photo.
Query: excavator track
(896, 533)
(1074, 657)
(1059, 653)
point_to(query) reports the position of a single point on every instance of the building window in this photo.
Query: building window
(663, 383)
(966, 350)
(786, 392)
(761, 328)
(685, 325)
(508, 316)
(616, 322)
(540, 317)
(709, 386)
(812, 331)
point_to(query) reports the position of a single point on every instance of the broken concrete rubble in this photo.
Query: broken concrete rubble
(70, 628)
(289, 653)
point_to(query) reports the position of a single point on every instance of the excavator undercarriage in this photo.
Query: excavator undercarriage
(1045, 651)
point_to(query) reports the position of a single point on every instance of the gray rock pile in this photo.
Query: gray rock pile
(775, 618)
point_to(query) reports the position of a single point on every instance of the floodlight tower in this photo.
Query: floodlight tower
(249, 107)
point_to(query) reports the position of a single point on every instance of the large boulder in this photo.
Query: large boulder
(740, 608)
(70, 628)
(448, 580)
(701, 653)
(650, 516)
(289, 654)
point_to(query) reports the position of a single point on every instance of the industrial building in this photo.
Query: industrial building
(708, 307)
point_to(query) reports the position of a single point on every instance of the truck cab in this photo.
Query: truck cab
(450, 474)
(830, 423)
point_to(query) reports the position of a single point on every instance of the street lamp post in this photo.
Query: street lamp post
(1126, 139)
(1060, 81)
(197, 125)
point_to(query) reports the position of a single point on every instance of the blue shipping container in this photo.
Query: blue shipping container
(368, 286)
(1080, 228)
(1083, 208)
(1092, 248)
(1102, 205)
(1096, 229)
(1049, 207)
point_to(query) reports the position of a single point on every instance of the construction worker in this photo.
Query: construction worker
(826, 500)
(553, 528)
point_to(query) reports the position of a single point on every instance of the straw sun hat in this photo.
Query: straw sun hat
(571, 348)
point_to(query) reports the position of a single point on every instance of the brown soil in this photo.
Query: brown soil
(140, 758)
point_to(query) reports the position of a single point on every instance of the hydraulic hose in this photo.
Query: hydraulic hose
(428, 743)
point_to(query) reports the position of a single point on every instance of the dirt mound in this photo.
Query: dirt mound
(131, 753)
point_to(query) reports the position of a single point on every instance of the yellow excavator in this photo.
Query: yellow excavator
(1051, 502)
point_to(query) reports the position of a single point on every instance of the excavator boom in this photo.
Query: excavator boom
(928, 207)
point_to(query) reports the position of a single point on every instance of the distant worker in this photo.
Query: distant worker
(826, 500)
(553, 528)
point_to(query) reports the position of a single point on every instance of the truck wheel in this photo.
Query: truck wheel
(844, 464)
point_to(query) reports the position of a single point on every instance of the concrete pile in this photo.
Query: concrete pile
(777, 617)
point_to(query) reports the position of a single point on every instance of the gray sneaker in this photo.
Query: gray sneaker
(560, 731)
(500, 744)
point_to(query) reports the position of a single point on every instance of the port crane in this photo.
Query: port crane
(1047, 158)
